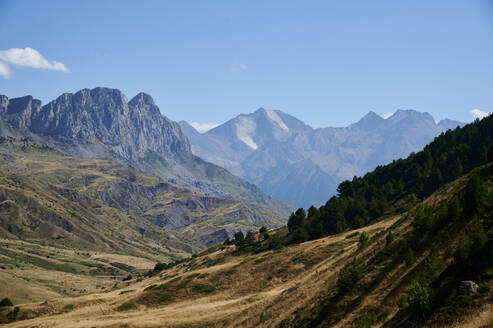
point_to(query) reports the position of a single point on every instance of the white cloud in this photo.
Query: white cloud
(27, 57)
(203, 127)
(476, 113)
(4, 70)
(386, 116)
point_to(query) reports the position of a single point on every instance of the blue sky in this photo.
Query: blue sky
(325, 62)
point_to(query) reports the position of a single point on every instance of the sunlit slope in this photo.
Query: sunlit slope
(301, 285)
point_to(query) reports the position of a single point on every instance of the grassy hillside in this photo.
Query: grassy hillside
(101, 204)
(65, 221)
(405, 267)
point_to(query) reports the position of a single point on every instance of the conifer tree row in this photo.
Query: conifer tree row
(388, 189)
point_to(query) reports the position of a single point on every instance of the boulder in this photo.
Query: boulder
(468, 287)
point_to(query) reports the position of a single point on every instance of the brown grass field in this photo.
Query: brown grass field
(248, 290)
(264, 287)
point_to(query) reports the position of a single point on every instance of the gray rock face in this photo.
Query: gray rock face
(18, 112)
(129, 129)
(303, 166)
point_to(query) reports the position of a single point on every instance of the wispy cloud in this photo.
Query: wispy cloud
(4, 70)
(27, 57)
(476, 113)
(203, 127)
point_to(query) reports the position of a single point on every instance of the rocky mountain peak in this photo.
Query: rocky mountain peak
(410, 114)
(142, 98)
(368, 122)
(128, 130)
(99, 95)
(144, 101)
(447, 124)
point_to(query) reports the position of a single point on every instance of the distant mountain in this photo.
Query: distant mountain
(293, 162)
(101, 123)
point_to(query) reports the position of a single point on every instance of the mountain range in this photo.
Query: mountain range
(102, 123)
(302, 166)
(122, 162)
(407, 245)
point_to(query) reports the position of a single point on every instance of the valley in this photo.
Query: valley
(289, 286)
(105, 240)
(246, 164)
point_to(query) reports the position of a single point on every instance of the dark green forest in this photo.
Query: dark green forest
(395, 187)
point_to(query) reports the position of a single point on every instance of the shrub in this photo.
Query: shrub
(126, 306)
(160, 267)
(6, 302)
(434, 265)
(265, 234)
(349, 276)
(166, 297)
(129, 277)
(203, 288)
(363, 239)
(420, 299)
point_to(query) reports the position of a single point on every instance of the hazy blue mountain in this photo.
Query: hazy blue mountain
(293, 162)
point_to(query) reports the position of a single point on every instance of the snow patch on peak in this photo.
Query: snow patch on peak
(388, 115)
(244, 128)
(275, 118)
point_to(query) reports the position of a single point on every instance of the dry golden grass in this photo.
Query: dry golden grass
(482, 319)
(23, 281)
(270, 286)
